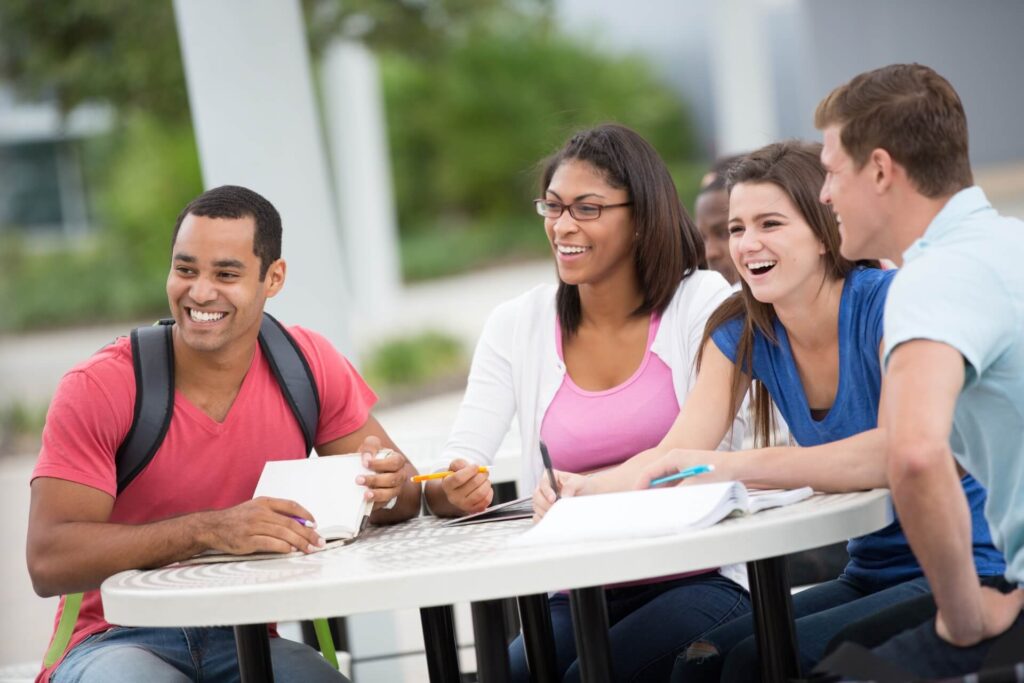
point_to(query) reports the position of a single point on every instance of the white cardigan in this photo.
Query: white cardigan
(516, 370)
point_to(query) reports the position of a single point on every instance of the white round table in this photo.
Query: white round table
(423, 564)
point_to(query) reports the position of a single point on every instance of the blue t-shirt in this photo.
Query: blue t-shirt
(962, 284)
(882, 558)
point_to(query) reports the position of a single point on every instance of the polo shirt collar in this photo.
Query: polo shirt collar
(967, 201)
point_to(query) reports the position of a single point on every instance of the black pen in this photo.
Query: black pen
(551, 472)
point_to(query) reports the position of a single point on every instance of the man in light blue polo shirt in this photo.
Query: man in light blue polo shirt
(899, 178)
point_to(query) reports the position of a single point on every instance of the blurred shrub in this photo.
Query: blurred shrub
(411, 360)
(468, 130)
(415, 364)
(21, 426)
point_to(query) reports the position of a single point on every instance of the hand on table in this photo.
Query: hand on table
(389, 473)
(676, 461)
(468, 489)
(569, 485)
(998, 612)
(261, 525)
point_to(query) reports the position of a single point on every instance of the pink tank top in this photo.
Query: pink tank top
(587, 430)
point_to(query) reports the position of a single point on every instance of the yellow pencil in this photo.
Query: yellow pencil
(441, 475)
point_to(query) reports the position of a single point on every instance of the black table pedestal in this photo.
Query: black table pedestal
(773, 620)
(253, 644)
(538, 637)
(590, 626)
(489, 641)
(439, 642)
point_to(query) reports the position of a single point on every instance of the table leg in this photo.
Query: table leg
(439, 642)
(590, 626)
(253, 644)
(773, 620)
(489, 638)
(538, 638)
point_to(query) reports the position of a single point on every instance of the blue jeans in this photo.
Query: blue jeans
(182, 655)
(730, 653)
(650, 625)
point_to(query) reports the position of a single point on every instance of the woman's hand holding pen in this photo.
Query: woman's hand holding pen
(569, 484)
(679, 460)
(467, 488)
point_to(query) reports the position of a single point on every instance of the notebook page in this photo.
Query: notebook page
(634, 514)
(326, 486)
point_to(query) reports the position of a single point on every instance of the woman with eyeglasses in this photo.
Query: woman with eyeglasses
(596, 367)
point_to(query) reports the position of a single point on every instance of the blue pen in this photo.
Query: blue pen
(688, 472)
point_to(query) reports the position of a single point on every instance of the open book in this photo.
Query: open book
(520, 508)
(654, 512)
(326, 486)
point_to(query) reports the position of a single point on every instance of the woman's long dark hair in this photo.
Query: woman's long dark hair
(668, 246)
(794, 167)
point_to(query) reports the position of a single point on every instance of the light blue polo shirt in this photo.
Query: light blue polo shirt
(962, 284)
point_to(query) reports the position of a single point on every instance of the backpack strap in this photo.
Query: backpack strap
(293, 375)
(153, 361)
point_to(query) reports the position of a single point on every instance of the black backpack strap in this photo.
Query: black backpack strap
(153, 360)
(294, 376)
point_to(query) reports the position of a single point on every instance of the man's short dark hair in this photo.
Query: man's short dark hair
(912, 113)
(718, 172)
(232, 201)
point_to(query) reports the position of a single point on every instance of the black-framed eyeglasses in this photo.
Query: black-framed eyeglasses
(581, 211)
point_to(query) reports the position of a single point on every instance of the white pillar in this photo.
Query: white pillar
(356, 127)
(741, 77)
(251, 94)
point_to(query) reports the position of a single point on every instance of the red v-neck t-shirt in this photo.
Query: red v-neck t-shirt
(202, 464)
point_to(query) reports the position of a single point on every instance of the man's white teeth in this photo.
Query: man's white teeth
(758, 265)
(565, 249)
(203, 316)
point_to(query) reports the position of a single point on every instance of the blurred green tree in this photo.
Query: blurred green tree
(121, 52)
(476, 92)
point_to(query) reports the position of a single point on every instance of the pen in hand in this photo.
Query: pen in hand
(482, 469)
(304, 522)
(551, 472)
(688, 472)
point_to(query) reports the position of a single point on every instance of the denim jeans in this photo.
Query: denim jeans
(730, 653)
(182, 655)
(650, 625)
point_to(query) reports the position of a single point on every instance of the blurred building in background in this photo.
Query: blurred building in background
(754, 70)
(42, 189)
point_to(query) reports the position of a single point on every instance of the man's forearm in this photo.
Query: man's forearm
(79, 556)
(936, 519)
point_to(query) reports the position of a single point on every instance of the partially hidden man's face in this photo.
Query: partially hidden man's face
(711, 214)
(214, 288)
(850, 191)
